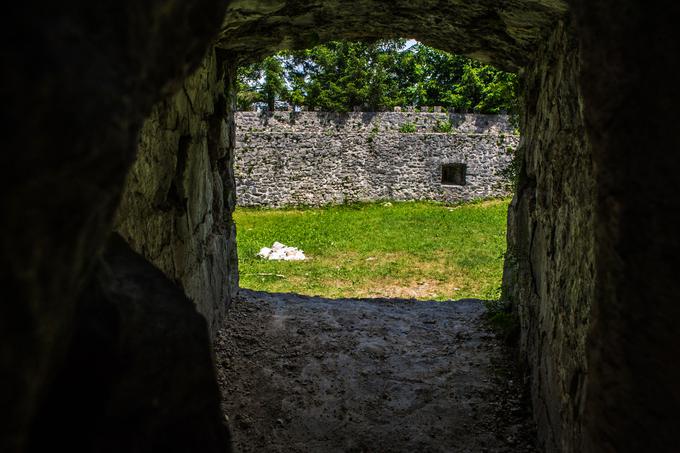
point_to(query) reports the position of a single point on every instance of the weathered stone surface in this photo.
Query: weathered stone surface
(316, 159)
(373, 122)
(549, 271)
(505, 33)
(175, 210)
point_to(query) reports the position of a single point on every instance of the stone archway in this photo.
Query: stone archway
(588, 245)
(508, 37)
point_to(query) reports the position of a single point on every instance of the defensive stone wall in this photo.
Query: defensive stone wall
(319, 158)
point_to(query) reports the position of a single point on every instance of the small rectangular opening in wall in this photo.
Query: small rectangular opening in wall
(454, 174)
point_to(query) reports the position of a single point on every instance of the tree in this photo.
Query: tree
(247, 91)
(261, 82)
(274, 86)
(340, 75)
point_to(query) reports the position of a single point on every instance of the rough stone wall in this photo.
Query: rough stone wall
(139, 376)
(176, 209)
(628, 49)
(78, 80)
(374, 122)
(315, 159)
(549, 272)
(504, 33)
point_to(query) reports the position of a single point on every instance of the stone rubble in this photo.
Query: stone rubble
(280, 252)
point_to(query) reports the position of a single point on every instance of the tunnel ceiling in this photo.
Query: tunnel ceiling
(503, 33)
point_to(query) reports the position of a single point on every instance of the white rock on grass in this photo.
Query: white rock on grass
(280, 252)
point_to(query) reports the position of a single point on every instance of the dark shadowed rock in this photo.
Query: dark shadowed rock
(176, 209)
(628, 49)
(504, 33)
(77, 81)
(138, 375)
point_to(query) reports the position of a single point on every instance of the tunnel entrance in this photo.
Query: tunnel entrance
(82, 85)
(362, 154)
(360, 341)
(79, 84)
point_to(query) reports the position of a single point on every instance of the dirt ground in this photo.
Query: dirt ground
(306, 374)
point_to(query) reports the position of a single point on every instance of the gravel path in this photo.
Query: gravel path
(306, 374)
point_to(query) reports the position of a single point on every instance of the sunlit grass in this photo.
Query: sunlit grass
(412, 250)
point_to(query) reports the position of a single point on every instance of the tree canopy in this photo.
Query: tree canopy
(341, 75)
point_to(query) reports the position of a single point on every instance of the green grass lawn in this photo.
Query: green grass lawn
(412, 250)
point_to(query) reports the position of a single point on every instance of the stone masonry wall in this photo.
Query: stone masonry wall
(176, 209)
(309, 158)
(550, 267)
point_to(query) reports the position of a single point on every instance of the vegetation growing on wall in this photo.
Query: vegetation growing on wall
(444, 127)
(341, 76)
(407, 128)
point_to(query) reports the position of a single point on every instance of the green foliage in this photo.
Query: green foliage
(262, 82)
(247, 87)
(373, 134)
(433, 250)
(511, 172)
(341, 75)
(443, 126)
(503, 319)
(407, 128)
(274, 84)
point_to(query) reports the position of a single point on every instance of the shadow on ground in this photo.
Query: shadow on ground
(308, 374)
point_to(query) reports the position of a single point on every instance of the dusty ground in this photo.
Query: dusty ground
(306, 374)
